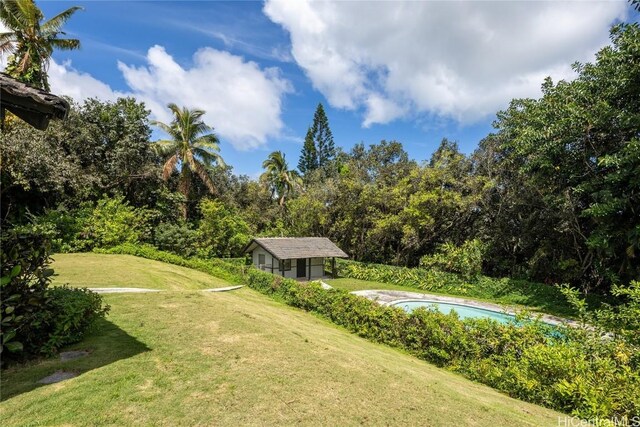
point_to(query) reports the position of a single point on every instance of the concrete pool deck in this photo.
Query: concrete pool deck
(387, 297)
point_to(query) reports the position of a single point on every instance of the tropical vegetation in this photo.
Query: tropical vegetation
(31, 40)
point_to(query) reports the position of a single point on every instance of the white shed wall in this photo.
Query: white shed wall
(317, 265)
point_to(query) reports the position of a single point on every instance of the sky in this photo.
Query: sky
(413, 72)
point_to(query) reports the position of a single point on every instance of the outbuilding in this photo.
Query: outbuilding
(294, 257)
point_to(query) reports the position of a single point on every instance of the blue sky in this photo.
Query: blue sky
(412, 72)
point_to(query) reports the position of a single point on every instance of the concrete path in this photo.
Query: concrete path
(121, 290)
(386, 297)
(228, 288)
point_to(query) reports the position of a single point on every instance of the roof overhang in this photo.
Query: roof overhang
(296, 247)
(32, 105)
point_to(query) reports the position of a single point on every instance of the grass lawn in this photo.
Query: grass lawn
(110, 271)
(183, 357)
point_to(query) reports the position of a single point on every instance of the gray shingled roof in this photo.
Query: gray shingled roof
(297, 247)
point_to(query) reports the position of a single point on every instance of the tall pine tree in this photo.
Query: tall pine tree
(309, 155)
(319, 149)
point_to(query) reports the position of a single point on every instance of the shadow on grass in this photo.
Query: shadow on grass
(106, 344)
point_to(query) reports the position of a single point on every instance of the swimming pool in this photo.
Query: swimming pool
(464, 311)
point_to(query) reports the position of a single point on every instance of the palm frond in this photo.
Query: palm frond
(202, 172)
(164, 147)
(208, 142)
(7, 42)
(208, 158)
(169, 166)
(55, 24)
(65, 44)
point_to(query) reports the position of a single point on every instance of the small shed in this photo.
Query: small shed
(294, 257)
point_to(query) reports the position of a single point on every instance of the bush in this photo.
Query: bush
(466, 260)
(25, 277)
(71, 312)
(177, 238)
(222, 232)
(37, 320)
(113, 222)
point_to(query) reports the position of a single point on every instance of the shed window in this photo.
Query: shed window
(261, 260)
(285, 265)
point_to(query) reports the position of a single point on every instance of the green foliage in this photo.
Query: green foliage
(70, 313)
(193, 149)
(281, 181)
(112, 222)
(309, 156)
(24, 280)
(319, 150)
(37, 320)
(32, 40)
(179, 238)
(466, 260)
(221, 233)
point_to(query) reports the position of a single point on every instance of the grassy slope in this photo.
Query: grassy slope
(108, 271)
(187, 358)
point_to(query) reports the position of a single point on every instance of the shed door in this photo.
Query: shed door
(301, 267)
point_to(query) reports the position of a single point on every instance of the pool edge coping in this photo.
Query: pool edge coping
(390, 297)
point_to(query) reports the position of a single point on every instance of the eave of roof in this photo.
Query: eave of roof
(32, 105)
(297, 247)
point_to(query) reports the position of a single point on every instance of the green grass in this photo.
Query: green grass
(109, 271)
(183, 357)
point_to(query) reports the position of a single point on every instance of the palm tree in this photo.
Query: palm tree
(31, 41)
(279, 178)
(193, 148)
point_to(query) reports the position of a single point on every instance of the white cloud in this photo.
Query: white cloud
(242, 101)
(66, 80)
(461, 60)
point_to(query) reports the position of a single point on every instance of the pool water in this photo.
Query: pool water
(464, 311)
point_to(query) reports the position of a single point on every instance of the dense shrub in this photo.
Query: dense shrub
(109, 222)
(25, 277)
(222, 232)
(177, 238)
(466, 260)
(70, 313)
(37, 320)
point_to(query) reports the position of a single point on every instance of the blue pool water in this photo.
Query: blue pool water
(463, 311)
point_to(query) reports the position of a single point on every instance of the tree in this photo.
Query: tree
(278, 177)
(319, 150)
(32, 41)
(193, 148)
(309, 157)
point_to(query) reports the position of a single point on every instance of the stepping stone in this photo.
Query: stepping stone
(57, 376)
(325, 285)
(121, 290)
(228, 288)
(70, 355)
